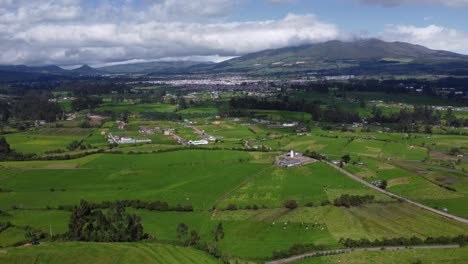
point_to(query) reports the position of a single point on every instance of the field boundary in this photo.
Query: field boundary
(356, 178)
(349, 250)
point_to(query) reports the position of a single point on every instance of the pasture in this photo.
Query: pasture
(103, 253)
(448, 256)
(46, 139)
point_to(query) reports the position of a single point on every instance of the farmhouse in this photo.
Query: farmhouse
(293, 159)
(126, 140)
(198, 142)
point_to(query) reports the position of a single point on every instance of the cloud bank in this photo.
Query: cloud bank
(73, 32)
(66, 32)
(389, 3)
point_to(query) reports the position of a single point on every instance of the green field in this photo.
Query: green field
(246, 179)
(233, 172)
(46, 139)
(135, 108)
(448, 256)
(104, 253)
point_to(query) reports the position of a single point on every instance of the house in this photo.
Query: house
(168, 132)
(198, 142)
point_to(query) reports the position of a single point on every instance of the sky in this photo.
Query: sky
(106, 32)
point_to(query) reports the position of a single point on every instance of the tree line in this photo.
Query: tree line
(136, 204)
(403, 241)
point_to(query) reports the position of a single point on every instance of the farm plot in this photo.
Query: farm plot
(185, 177)
(45, 139)
(310, 183)
(102, 253)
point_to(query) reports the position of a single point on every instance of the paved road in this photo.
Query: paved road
(356, 178)
(347, 250)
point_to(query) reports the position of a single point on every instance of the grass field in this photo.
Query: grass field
(45, 139)
(447, 256)
(102, 253)
(135, 108)
(31, 191)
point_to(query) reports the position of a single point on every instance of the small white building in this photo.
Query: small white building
(198, 142)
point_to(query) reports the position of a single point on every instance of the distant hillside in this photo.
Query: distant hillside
(86, 70)
(51, 69)
(362, 57)
(153, 67)
(338, 56)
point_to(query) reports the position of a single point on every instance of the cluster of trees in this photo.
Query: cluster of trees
(313, 154)
(406, 120)
(138, 204)
(238, 106)
(348, 201)
(233, 207)
(4, 226)
(186, 238)
(6, 153)
(33, 234)
(89, 224)
(86, 88)
(193, 239)
(402, 241)
(86, 102)
(296, 249)
(32, 106)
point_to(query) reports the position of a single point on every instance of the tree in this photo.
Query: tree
(182, 103)
(194, 238)
(384, 184)
(346, 158)
(290, 204)
(182, 232)
(218, 234)
(4, 147)
(33, 235)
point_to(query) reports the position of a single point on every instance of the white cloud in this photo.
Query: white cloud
(432, 36)
(449, 3)
(32, 34)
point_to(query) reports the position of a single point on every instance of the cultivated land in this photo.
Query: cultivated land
(105, 253)
(233, 181)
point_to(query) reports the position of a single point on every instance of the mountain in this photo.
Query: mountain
(153, 67)
(362, 57)
(48, 69)
(86, 70)
(341, 57)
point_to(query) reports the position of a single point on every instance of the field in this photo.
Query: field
(102, 253)
(37, 188)
(45, 139)
(448, 256)
(135, 108)
(233, 181)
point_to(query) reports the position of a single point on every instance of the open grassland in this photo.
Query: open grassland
(420, 181)
(199, 110)
(276, 115)
(310, 183)
(135, 108)
(185, 177)
(447, 256)
(104, 253)
(33, 190)
(46, 139)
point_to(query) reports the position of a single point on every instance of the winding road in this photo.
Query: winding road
(356, 178)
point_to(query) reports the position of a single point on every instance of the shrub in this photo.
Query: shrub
(290, 204)
(231, 207)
